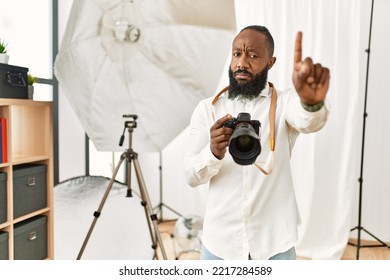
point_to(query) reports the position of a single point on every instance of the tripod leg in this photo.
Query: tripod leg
(147, 214)
(97, 213)
(159, 210)
(143, 203)
(382, 244)
(148, 205)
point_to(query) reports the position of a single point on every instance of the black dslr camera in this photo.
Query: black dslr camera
(244, 144)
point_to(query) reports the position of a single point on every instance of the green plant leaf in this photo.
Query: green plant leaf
(31, 79)
(3, 46)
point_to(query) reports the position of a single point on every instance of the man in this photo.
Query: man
(251, 210)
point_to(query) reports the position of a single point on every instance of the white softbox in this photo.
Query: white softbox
(152, 58)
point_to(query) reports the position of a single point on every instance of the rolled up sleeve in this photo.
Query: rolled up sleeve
(302, 120)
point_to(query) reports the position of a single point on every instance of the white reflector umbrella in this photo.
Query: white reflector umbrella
(152, 58)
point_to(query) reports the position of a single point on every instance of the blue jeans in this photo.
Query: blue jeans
(288, 255)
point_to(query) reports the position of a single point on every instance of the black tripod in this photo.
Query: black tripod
(359, 227)
(132, 157)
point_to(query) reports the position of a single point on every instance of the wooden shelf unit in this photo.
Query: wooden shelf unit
(29, 140)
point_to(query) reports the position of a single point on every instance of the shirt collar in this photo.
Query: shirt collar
(267, 91)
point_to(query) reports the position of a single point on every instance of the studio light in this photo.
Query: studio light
(152, 58)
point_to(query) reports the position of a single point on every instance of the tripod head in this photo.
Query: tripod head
(130, 124)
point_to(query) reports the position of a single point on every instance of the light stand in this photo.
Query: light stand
(132, 157)
(359, 227)
(160, 206)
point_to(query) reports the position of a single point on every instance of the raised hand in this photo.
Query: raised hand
(310, 80)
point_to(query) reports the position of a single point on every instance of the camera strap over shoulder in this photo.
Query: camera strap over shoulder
(272, 116)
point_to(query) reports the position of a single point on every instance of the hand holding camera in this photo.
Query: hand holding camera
(242, 136)
(244, 143)
(219, 137)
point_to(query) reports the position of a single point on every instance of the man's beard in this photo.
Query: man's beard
(249, 90)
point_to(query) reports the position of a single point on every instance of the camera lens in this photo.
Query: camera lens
(244, 144)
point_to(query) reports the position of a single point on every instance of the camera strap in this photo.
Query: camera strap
(272, 117)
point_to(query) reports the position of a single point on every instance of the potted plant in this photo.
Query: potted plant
(30, 85)
(4, 57)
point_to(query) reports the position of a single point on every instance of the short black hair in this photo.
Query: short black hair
(264, 30)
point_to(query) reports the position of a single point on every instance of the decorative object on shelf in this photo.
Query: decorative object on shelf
(187, 235)
(4, 57)
(14, 81)
(31, 80)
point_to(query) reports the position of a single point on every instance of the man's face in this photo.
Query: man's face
(251, 60)
(250, 89)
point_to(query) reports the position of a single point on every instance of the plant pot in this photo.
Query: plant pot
(30, 91)
(4, 58)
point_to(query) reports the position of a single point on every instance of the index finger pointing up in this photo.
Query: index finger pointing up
(298, 48)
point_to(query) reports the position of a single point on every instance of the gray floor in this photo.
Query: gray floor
(121, 232)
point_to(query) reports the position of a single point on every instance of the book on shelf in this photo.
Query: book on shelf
(3, 141)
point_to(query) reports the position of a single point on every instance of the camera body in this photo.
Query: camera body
(244, 144)
(243, 118)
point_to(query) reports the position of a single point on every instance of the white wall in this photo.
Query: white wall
(71, 134)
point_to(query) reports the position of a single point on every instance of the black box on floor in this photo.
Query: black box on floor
(3, 197)
(3, 245)
(29, 188)
(30, 239)
(13, 81)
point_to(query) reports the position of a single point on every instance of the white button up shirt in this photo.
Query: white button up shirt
(248, 212)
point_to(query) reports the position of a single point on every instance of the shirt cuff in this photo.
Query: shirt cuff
(313, 107)
(207, 161)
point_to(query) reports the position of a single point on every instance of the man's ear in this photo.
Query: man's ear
(271, 62)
